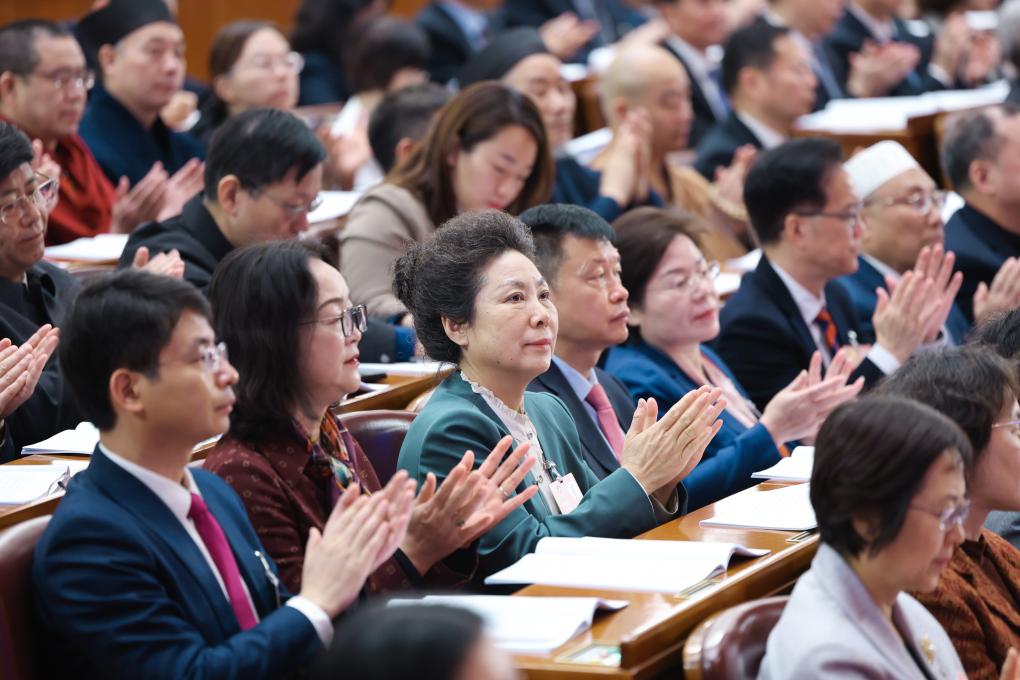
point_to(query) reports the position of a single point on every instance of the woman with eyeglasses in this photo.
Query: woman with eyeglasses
(674, 314)
(889, 491)
(251, 65)
(978, 597)
(286, 316)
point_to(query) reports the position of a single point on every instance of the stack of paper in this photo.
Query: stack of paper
(408, 368)
(334, 204)
(619, 564)
(26, 483)
(527, 625)
(99, 248)
(785, 509)
(81, 441)
(794, 468)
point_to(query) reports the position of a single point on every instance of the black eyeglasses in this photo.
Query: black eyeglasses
(347, 320)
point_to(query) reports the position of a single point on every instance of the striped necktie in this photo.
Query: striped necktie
(828, 328)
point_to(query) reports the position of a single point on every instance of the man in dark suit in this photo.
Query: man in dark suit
(149, 568)
(574, 251)
(263, 177)
(807, 218)
(903, 63)
(768, 78)
(979, 156)
(696, 26)
(903, 230)
(612, 19)
(456, 31)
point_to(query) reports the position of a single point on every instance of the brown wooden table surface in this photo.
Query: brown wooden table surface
(651, 630)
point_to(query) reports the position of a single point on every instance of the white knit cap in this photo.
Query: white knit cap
(876, 165)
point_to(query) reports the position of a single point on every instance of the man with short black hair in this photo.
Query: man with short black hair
(979, 154)
(401, 120)
(803, 208)
(152, 569)
(768, 78)
(575, 254)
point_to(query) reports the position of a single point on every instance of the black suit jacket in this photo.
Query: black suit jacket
(722, 141)
(704, 116)
(764, 339)
(614, 17)
(202, 246)
(45, 299)
(450, 48)
(849, 36)
(981, 246)
(597, 452)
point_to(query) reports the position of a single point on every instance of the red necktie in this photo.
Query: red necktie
(608, 423)
(828, 328)
(216, 543)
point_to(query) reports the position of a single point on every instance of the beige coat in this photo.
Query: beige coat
(385, 221)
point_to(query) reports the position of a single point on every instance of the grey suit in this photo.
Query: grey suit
(832, 628)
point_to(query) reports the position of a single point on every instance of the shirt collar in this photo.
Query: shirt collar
(176, 496)
(580, 384)
(696, 60)
(882, 268)
(768, 137)
(883, 31)
(808, 304)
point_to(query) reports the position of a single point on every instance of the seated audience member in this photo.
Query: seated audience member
(141, 62)
(264, 176)
(768, 78)
(149, 568)
(43, 88)
(694, 27)
(487, 150)
(322, 34)
(646, 78)
(904, 63)
(976, 598)
(575, 254)
(610, 19)
(520, 60)
(977, 154)
(807, 219)
(479, 302)
(1002, 333)
(251, 65)
(902, 229)
(889, 493)
(401, 120)
(809, 22)
(388, 54)
(457, 30)
(675, 312)
(426, 642)
(288, 456)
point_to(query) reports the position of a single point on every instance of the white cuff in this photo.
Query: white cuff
(320, 620)
(883, 358)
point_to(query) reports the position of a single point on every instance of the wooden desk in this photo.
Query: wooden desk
(400, 391)
(651, 630)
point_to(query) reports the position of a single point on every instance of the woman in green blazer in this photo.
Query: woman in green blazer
(479, 302)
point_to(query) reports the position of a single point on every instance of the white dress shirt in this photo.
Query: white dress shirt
(177, 498)
(768, 136)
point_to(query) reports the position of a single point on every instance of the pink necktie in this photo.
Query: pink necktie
(216, 543)
(608, 423)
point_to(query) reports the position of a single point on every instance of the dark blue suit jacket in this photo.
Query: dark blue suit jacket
(579, 185)
(861, 285)
(596, 450)
(849, 36)
(126, 149)
(981, 246)
(720, 143)
(765, 341)
(122, 591)
(732, 455)
(614, 17)
(450, 48)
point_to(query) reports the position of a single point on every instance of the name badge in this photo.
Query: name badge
(567, 494)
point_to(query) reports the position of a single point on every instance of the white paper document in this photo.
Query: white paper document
(81, 441)
(334, 204)
(98, 248)
(785, 509)
(406, 368)
(527, 625)
(621, 564)
(26, 483)
(794, 468)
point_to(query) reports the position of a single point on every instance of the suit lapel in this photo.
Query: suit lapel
(780, 295)
(164, 528)
(447, 25)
